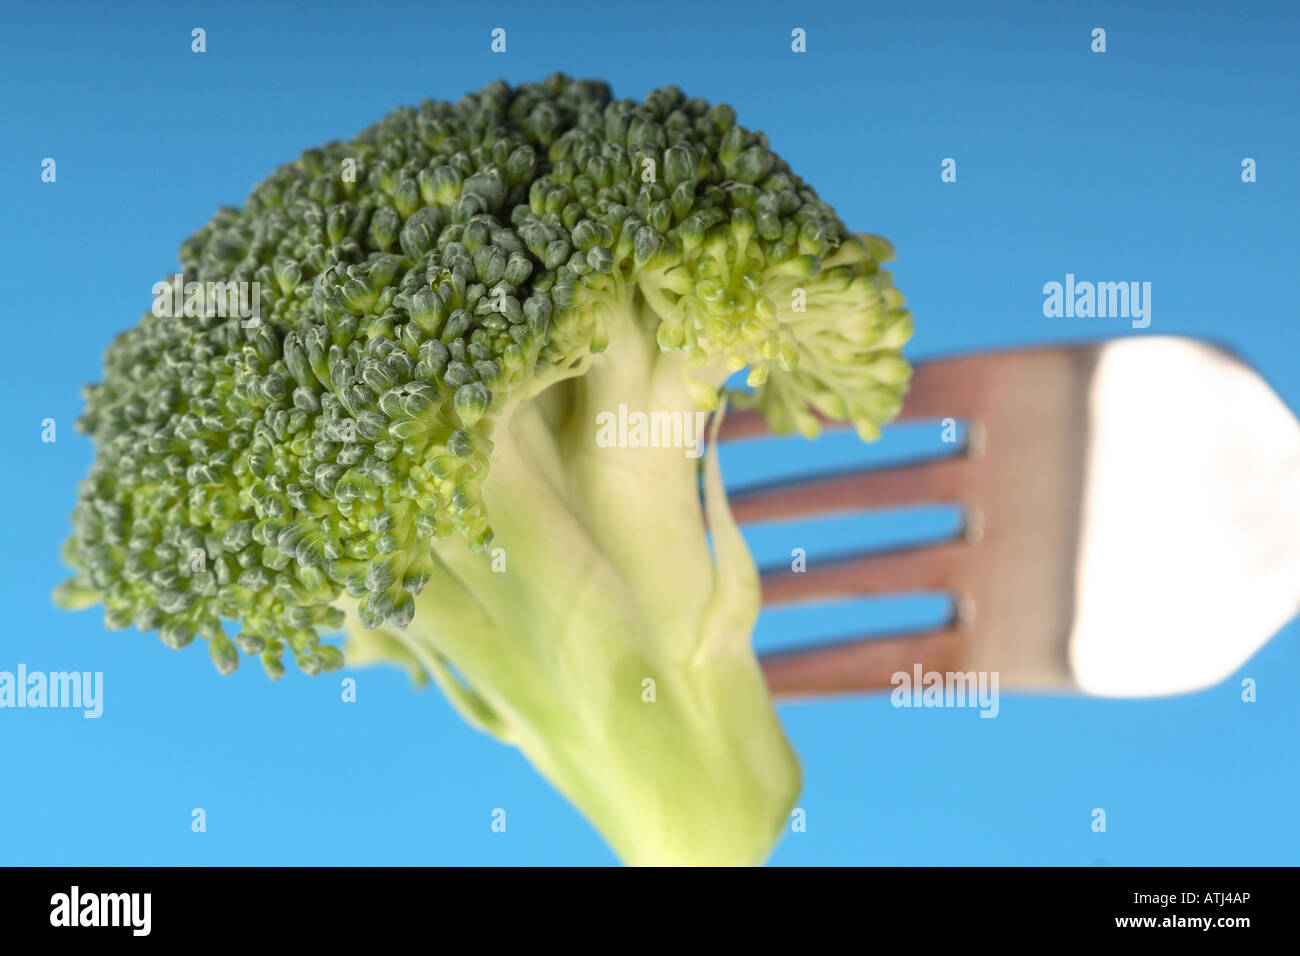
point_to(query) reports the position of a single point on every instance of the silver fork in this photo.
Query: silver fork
(1132, 524)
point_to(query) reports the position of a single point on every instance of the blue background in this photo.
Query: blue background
(1117, 166)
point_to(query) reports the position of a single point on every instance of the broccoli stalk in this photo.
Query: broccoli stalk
(606, 582)
(405, 447)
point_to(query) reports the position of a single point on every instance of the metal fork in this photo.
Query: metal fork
(1133, 524)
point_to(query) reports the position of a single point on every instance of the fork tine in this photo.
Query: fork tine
(941, 481)
(945, 388)
(927, 568)
(939, 389)
(863, 664)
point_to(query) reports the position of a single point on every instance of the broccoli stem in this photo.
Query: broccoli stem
(700, 774)
(610, 647)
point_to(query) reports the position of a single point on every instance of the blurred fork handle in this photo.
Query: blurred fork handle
(858, 666)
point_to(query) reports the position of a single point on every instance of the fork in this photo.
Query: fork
(1132, 516)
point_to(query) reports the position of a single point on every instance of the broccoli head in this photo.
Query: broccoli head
(400, 443)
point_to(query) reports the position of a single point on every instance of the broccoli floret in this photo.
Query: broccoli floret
(401, 445)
